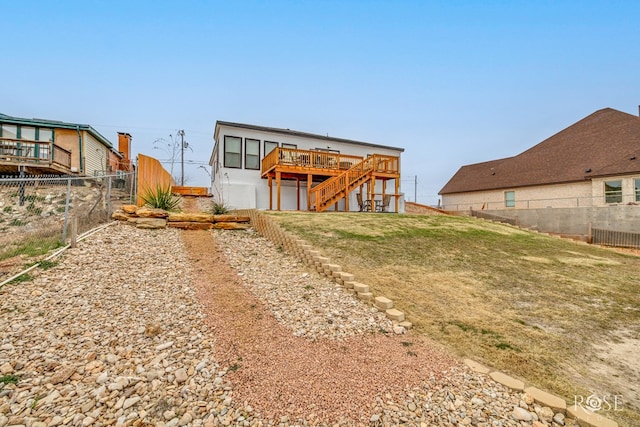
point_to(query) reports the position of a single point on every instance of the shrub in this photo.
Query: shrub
(219, 208)
(161, 198)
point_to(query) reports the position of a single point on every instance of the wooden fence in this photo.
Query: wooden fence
(620, 239)
(190, 191)
(151, 175)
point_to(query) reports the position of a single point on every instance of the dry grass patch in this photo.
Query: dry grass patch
(528, 304)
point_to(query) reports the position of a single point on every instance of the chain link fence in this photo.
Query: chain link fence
(38, 213)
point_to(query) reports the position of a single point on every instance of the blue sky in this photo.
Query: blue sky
(453, 82)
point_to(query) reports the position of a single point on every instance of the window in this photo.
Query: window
(328, 150)
(9, 131)
(43, 151)
(45, 135)
(27, 149)
(510, 199)
(613, 191)
(232, 152)
(294, 146)
(269, 146)
(27, 132)
(637, 181)
(251, 153)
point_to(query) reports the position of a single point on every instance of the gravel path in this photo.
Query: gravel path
(140, 327)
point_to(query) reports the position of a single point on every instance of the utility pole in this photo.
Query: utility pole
(181, 133)
(415, 189)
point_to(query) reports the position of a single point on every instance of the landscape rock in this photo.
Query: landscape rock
(146, 212)
(231, 218)
(150, 223)
(521, 414)
(231, 226)
(190, 217)
(119, 337)
(120, 216)
(190, 225)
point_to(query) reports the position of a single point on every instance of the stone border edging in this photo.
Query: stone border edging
(304, 251)
(583, 417)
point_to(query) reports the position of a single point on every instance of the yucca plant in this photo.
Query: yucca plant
(219, 208)
(161, 198)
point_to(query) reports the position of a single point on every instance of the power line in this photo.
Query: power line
(190, 162)
(141, 128)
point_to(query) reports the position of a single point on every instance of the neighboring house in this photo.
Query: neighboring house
(594, 162)
(271, 168)
(39, 146)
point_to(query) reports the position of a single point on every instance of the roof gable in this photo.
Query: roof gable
(606, 142)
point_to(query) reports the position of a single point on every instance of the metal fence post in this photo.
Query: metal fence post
(66, 211)
(21, 186)
(109, 197)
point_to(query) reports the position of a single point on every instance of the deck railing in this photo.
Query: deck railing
(34, 152)
(344, 183)
(61, 156)
(308, 159)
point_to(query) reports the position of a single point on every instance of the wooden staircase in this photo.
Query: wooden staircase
(334, 189)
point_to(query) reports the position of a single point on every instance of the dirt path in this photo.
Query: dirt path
(280, 374)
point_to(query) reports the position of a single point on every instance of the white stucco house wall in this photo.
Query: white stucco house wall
(236, 164)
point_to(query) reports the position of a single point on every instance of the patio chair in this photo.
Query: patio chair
(365, 206)
(383, 205)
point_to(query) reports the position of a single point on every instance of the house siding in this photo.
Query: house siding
(577, 194)
(95, 155)
(244, 188)
(68, 139)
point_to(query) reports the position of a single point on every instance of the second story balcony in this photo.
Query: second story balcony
(315, 162)
(36, 157)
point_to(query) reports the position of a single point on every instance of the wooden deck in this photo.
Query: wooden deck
(337, 175)
(34, 157)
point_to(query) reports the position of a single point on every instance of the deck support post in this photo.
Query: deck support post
(346, 194)
(270, 179)
(309, 182)
(278, 178)
(371, 188)
(298, 193)
(397, 180)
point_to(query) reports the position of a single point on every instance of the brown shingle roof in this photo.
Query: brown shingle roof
(606, 142)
